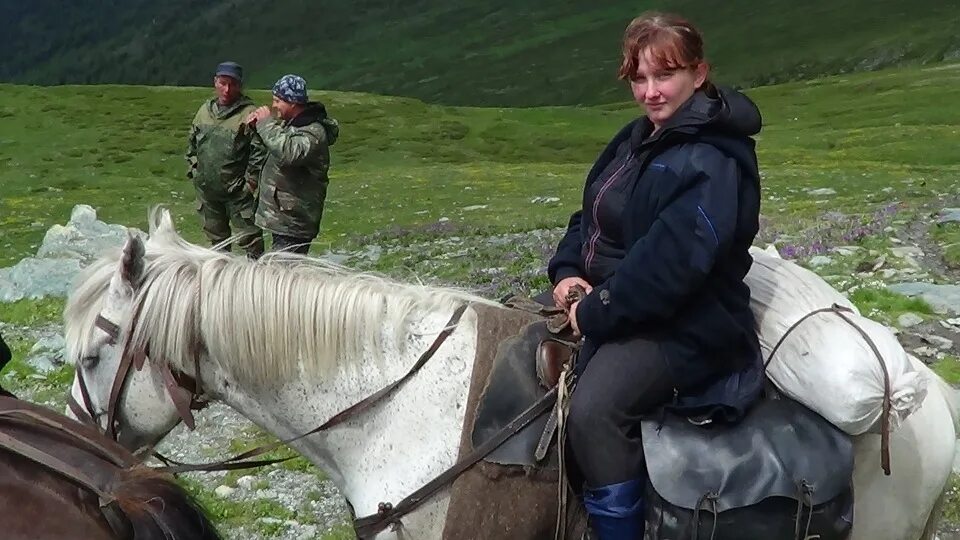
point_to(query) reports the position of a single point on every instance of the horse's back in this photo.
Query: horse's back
(898, 507)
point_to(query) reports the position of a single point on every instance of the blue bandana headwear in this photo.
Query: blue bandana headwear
(291, 88)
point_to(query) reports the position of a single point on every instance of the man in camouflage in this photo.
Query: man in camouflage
(220, 163)
(293, 173)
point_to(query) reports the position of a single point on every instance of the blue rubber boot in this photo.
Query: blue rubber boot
(616, 510)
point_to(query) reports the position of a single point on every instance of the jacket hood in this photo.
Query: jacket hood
(722, 117)
(315, 111)
(722, 110)
(216, 112)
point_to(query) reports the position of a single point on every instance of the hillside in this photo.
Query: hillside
(403, 163)
(856, 170)
(494, 52)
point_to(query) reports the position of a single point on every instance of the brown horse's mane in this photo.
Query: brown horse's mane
(159, 508)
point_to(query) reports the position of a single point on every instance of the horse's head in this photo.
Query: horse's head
(114, 383)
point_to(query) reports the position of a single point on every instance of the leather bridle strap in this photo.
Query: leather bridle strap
(389, 514)
(236, 462)
(127, 358)
(85, 413)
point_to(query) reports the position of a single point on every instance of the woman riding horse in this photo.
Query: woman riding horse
(670, 208)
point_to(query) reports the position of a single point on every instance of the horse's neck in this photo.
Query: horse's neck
(387, 452)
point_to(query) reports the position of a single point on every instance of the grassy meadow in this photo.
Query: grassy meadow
(876, 139)
(430, 184)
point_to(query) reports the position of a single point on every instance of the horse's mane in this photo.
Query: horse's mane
(158, 508)
(277, 317)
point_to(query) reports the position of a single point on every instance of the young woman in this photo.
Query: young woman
(661, 243)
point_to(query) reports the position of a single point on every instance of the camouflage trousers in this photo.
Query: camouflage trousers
(218, 213)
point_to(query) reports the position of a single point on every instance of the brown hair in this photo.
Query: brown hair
(672, 41)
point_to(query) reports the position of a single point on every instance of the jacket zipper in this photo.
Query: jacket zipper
(592, 243)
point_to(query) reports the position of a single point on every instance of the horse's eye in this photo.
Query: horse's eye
(90, 361)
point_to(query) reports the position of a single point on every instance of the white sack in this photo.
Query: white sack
(825, 363)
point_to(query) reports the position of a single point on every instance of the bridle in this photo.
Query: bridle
(187, 396)
(183, 389)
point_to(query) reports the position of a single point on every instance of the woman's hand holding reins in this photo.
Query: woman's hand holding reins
(562, 291)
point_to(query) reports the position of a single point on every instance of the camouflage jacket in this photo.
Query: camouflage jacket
(293, 171)
(218, 154)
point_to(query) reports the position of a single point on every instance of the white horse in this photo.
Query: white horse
(290, 342)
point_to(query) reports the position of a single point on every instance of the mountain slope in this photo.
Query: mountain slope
(529, 52)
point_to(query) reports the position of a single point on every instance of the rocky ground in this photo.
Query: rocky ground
(884, 262)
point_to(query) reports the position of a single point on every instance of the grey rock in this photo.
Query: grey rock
(371, 253)
(84, 237)
(224, 491)
(906, 251)
(65, 250)
(949, 215)
(820, 260)
(928, 352)
(336, 258)
(37, 278)
(544, 200)
(943, 298)
(908, 320)
(822, 191)
(941, 343)
(47, 354)
(845, 251)
(245, 482)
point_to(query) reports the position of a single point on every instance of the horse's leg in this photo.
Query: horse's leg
(900, 506)
(933, 522)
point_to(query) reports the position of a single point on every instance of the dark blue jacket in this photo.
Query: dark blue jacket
(688, 221)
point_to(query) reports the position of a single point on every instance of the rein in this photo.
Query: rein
(388, 514)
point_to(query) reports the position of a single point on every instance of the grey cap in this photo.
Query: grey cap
(230, 69)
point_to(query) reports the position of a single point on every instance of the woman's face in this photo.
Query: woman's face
(662, 90)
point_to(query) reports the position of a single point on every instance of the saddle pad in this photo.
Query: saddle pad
(777, 446)
(513, 386)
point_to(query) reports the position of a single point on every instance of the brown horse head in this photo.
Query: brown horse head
(60, 479)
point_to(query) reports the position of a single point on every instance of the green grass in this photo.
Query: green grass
(398, 168)
(531, 52)
(884, 306)
(30, 312)
(253, 437)
(948, 236)
(236, 513)
(949, 369)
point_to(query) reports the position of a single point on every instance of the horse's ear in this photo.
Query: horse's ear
(161, 221)
(131, 263)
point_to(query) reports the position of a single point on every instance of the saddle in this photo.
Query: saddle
(781, 470)
(526, 366)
